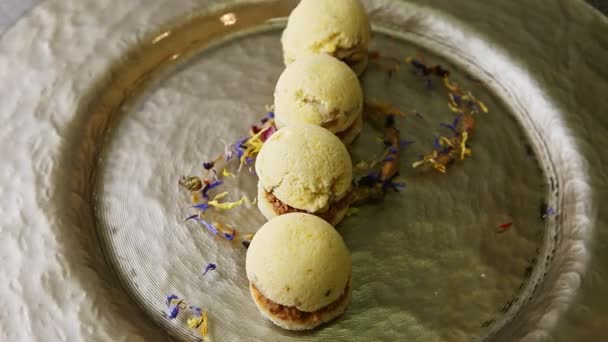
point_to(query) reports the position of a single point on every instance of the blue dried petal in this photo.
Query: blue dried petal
(209, 267)
(211, 186)
(170, 298)
(550, 212)
(198, 311)
(436, 143)
(208, 165)
(392, 150)
(215, 184)
(203, 206)
(270, 115)
(229, 236)
(249, 160)
(453, 126)
(173, 313)
(388, 159)
(209, 226)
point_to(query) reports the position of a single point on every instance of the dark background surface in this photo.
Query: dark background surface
(601, 5)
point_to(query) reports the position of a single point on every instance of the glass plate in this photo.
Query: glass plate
(428, 262)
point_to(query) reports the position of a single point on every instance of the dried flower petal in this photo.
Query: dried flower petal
(504, 227)
(210, 186)
(454, 125)
(247, 240)
(173, 309)
(464, 151)
(194, 322)
(204, 324)
(202, 207)
(191, 183)
(193, 217)
(550, 212)
(226, 173)
(170, 299)
(227, 205)
(209, 267)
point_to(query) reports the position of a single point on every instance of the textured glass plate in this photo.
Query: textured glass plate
(428, 263)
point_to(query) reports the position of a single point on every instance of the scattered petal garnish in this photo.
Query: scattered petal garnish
(227, 205)
(208, 225)
(210, 186)
(550, 212)
(247, 240)
(504, 227)
(210, 165)
(191, 183)
(227, 232)
(201, 206)
(454, 125)
(226, 173)
(173, 306)
(209, 267)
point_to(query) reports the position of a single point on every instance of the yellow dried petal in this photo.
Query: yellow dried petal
(226, 173)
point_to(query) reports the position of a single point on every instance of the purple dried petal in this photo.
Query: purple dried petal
(248, 160)
(388, 159)
(208, 165)
(392, 150)
(270, 115)
(209, 267)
